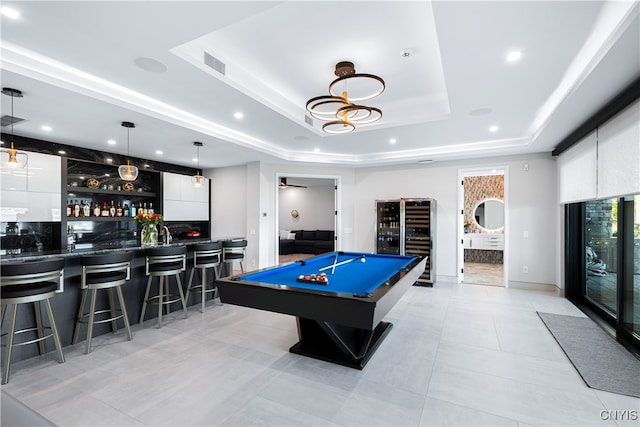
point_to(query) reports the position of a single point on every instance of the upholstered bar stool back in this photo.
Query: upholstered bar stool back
(205, 256)
(233, 251)
(109, 272)
(30, 282)
(164, 262)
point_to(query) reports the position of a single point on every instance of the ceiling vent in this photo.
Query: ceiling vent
(214, 63)
(308, 120)
(7, 120)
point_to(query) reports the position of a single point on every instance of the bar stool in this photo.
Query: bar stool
(164, 262)
(233, 250)
(103, 272)
(30, 282)
(205, 255)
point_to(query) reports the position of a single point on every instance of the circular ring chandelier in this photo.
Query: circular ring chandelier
(338, 108)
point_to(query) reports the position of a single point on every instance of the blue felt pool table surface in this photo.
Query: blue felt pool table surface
(354, 277)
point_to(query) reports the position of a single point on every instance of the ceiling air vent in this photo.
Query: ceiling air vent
(7, 120)
(214, 63)
(308, 120)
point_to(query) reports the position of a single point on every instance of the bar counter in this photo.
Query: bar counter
(66, 304)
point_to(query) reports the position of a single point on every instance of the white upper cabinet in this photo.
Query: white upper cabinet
(32, 193)
(182, 201)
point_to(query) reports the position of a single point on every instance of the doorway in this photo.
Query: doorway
(307, 216)
(482, 225)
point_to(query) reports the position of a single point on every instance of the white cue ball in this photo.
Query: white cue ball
(363, 260)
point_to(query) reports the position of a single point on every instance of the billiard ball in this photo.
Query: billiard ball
(363, 259)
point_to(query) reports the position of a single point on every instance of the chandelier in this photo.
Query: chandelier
(339, 108)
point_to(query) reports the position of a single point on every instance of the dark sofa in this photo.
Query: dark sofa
(308, 242)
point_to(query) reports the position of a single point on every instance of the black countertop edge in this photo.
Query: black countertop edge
(39, 256)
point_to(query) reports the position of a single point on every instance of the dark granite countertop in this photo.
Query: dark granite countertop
(38, 256)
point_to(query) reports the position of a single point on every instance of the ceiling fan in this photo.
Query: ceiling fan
(283, 184)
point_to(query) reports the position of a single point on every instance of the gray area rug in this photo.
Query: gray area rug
(600, 360)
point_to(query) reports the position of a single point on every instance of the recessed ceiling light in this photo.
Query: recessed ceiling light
(81, 177)
(393, 141)
(316, 150)
(46, 128)
(10, 13)
(150, 64)
(159, 152)
(106, 174)
(493, 128)
(108, 161)
(64, 152)
(195, 159)
(480, 112)
(146, 165)
(238, 115)
(514, 56)
(112, 142)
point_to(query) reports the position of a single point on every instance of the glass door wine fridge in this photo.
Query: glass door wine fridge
(407, 227)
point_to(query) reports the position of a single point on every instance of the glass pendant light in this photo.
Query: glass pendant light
(197, 179)
(10, 156)
(128, 172)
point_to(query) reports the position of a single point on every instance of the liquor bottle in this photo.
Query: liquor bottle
(150, 208)
(119, 209)
(71, 239)
(76, 209)
(69, 209)
(140, 210)
(144, 208)
(112, 209)
(134, 211)
(105, 210)
(96, 209)
(86, 210)
(125, 210)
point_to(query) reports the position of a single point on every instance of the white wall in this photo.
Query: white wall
(315, 205)
(532, 207)
(228, 202)
(244, 200)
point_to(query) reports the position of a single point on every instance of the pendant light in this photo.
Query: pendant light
(338, 108)
(197, 179)
(128, 172)
(10, 156)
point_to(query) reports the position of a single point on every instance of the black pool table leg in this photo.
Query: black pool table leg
(352, 347)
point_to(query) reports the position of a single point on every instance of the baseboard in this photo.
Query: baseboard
(535, 286)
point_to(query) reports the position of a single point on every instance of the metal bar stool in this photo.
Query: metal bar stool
(30, 282)
(103, 272)
(233, 250)
(205, 255)
(164, 262)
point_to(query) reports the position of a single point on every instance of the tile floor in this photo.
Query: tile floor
(481, 273)
(457, 355)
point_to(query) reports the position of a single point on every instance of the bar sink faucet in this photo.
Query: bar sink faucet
(166, 235)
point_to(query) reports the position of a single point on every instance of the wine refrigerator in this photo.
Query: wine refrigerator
(407, 227)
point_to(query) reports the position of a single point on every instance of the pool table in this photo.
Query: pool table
(339, 319)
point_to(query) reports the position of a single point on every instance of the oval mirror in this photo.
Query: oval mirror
(489, 214)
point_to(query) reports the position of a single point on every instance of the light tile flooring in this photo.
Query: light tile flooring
(481, 273)
(457, 355)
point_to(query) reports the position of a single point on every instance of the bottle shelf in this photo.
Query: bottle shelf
(129, 194)
(99, 218)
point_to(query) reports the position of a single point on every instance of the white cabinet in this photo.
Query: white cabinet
(33, 193)
(491, 242)
(182, 201)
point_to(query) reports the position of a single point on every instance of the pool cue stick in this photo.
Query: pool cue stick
(335, 261)
(332, 267)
